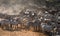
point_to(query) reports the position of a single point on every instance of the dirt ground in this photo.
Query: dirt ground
(20, 33)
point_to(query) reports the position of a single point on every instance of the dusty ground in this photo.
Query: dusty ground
(20, 33)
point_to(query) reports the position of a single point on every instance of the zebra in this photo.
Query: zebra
(34, 26)
(5, 24)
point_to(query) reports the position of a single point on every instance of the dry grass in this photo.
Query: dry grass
(20, 33)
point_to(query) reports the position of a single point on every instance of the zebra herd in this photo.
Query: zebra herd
(31, 20)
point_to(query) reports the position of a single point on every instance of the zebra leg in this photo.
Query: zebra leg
(35, 28)
(4, 26)
(0, 24)
(16, 26)
(11, 27)
(38, 28)
(7, 26)
(27, 27)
